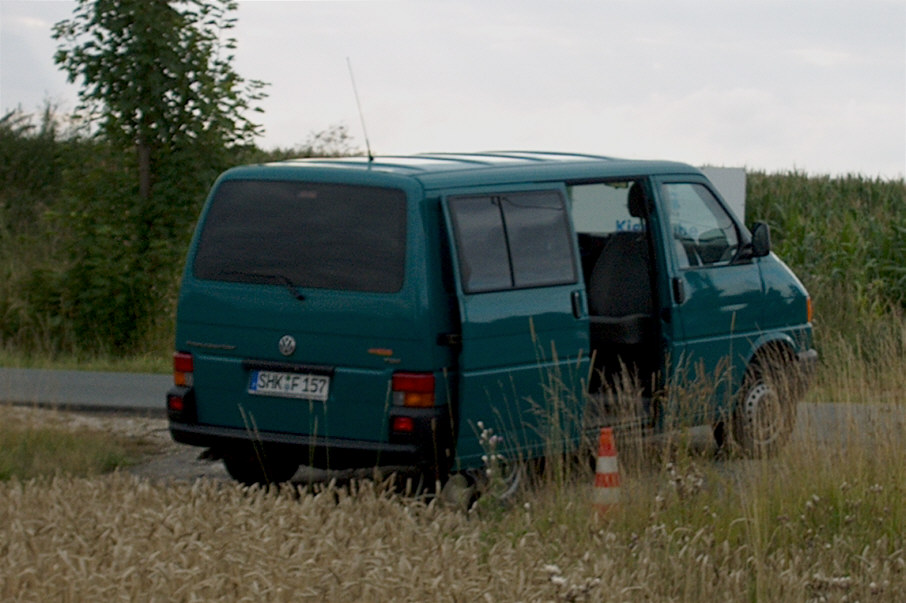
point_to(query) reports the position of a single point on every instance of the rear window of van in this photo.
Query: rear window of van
(322, 236)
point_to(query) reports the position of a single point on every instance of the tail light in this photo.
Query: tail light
(176, 403)
(183, 366)
(403, 425)
(415, 390)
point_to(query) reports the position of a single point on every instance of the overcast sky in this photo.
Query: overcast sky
(814, 85)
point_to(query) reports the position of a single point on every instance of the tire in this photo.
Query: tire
(516, 477)
(765, 412)
(459, 493)
(258, 467)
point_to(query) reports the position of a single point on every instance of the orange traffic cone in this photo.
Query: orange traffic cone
(607, 477)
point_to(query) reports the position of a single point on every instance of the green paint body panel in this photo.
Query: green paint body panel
(509, 358)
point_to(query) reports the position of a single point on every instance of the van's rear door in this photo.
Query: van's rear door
(522, 306)
(296, 308)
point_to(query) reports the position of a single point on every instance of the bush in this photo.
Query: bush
(88, 267)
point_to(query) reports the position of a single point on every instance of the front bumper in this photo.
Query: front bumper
(807, 365)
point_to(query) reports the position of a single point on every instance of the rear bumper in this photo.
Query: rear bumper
(428, 447)
(325, 453)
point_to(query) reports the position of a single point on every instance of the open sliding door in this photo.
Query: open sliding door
(524, 355)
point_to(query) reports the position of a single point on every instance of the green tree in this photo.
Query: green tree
(169, 113)
(157, 76)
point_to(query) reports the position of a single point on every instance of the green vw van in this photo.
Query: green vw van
(394, 312)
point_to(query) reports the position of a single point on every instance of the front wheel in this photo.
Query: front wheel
(765, 412)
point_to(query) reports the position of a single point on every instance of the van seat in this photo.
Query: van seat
(619, 292)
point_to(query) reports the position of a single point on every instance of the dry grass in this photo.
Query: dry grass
(36, 442)
(824, 521)
(159, 360)
(846, 376)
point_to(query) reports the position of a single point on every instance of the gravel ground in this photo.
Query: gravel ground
(168, 460)
(837, 424)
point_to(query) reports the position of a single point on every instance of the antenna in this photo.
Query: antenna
(359, 105)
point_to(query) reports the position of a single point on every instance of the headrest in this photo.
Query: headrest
(637, 201)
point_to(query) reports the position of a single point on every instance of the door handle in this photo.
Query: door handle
(576, 299)
(679, 290)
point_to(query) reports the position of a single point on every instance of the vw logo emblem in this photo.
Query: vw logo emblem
(287, 345)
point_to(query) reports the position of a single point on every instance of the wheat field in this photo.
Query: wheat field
(818, 523)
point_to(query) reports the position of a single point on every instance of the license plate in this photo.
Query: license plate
(289, 385)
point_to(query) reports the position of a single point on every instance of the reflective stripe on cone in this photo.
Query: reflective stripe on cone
(607, 476)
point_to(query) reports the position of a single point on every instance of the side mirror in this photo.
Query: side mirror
(761, 240)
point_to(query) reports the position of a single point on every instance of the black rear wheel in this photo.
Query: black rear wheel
(256, 466)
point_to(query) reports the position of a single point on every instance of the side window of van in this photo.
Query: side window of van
(512, 241)
(602, 208)
(703, 232)
(602, 213)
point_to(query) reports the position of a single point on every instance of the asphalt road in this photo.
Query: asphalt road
(145, 394)
(852, 426)
(86, 390)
